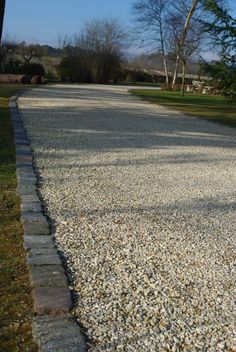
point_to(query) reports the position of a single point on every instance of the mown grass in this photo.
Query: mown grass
(145, 84)
(16, 304)
(213, 108)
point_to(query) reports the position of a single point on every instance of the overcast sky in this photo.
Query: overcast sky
(43, 20)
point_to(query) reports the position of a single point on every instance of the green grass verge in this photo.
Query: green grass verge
(213, 108)
(16, 303)
(145, 84)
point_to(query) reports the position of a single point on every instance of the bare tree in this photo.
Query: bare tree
(194, 39)
(95, 53)
(7, 48)
(29, 52)
(193, 12)
(190, 10)
(192, 46)
(63, 41)
(105, 35)
(151, 18)
(2, 11)
(104, 39)
(155, 21)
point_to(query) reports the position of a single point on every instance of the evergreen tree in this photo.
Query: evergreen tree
(223, 32)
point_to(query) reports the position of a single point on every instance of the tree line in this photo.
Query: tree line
(95, 54)
(21, 58)
(179, 29)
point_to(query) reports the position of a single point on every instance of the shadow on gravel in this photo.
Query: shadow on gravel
(204, 207)
(95, 127)
(177, 159)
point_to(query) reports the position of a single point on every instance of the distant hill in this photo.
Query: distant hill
(154, 61)
(51, 51)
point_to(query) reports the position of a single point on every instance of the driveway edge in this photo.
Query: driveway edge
(54, 327)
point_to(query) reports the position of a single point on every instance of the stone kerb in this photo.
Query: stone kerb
(54, 327)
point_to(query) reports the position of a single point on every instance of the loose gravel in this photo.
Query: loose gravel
(143, 203)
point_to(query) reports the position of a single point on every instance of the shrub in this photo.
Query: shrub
(26, 79)
(50, 77)
(32, 69)
(223, 75)
(88, 66)
(75, 68)
(36, 80)
(107, 67)
(11, 66)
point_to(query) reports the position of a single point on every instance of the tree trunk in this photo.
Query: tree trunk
(182, 40)
(2, 11)
(166, 71)
(183, 78)
(164, 54)
(176, 71)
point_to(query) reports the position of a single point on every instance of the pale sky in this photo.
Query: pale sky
(43, 20)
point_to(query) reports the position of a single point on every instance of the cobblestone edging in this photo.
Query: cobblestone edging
(54, 328)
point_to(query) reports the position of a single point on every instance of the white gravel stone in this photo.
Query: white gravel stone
(143, 202)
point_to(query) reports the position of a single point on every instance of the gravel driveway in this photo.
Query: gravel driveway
(143, 202)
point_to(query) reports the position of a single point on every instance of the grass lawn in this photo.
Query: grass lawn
(145, 84)
(16, 303)
(213, 108)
